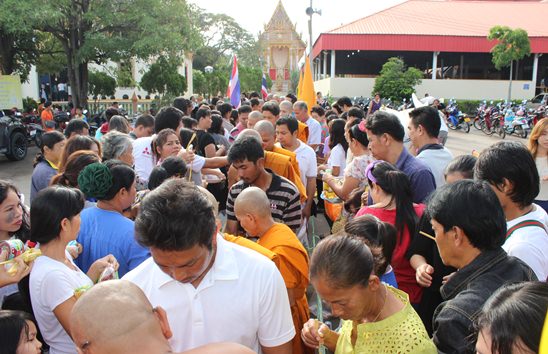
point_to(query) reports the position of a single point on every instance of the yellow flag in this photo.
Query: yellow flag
(300, 85)
(543, 349)
(307, 92)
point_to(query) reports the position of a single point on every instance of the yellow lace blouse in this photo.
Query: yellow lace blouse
(402, 332)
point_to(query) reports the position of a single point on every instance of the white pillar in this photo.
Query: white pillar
(434, 64)
(535, 72)
(324, 65)
(332, 64)
(290, 59)
(189, 77)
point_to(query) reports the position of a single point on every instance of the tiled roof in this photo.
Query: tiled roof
(452, 18)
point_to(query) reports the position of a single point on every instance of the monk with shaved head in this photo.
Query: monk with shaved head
(253, 118)
(252, 209)
(116, 317)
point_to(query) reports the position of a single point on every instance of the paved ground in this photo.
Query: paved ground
(458, 142)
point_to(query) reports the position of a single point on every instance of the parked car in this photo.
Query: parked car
(13, 138)
(537, 101)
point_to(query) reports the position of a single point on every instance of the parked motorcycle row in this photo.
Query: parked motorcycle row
(505, 118)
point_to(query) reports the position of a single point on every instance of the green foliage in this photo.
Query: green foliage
(513, 44)
(162, 77)
(101, 84)
(18, 50)
(295, 74)
(251, 78)
(199, 82)
(29, 104)
(396, 81)
(52, 58)
(124, 76)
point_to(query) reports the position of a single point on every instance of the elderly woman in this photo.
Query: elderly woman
(377, 318)
(118, 146)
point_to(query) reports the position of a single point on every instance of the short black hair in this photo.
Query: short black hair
(245, 148)
(463, 164)
(176, 216)
(202, 113)
(318, 110)
(189, 123)
(271, 107)
(167, 117)
(291, 97)
(76, 126)
(381, 123)
(254, 102)
(428, 117)
(344, 101)
(111, 112)
(146, 120)
(472, 206)
(356, 112)
(244, 109)
(45, 221)
(224, 108)
(182, 104)
(291, 123)
(512, 161)
(173, 166)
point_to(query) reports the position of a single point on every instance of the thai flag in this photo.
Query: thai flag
(264, 91)
(234, 85)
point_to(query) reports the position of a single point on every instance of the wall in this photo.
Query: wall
(458, 89)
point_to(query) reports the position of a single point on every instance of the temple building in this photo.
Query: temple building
(282, 48)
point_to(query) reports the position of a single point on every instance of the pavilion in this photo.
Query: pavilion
(445, 39)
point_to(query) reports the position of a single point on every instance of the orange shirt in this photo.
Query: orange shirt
(293, 265)
(302, 132)
(47, 115)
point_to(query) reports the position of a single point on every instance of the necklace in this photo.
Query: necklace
(383, 303)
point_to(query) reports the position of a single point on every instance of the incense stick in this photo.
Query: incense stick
(187, 147)
(427, 235)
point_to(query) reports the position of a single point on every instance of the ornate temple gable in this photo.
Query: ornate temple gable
(282, 47)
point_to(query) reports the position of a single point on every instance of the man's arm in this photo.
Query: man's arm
(286, 348)
(216, 162)
(310, 190)
(452, 331)
(231, 226)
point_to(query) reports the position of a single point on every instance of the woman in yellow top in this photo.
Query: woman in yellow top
(376, 317)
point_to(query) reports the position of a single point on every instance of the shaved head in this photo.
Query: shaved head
(253, 118)
(286, 107)
(254, 201)
(267, 133)
(249, 132)
(115, 314)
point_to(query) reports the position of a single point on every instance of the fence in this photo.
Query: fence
(131, 107)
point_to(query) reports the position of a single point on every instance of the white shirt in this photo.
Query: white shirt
(337, 158)
(542, 167)
(314, 131)
(52, 283)
(530, 244)
(437, 160)
(308, 165)
(242, 299)
(443, 125)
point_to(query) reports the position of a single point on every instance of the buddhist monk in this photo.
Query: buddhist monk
(253, 118)
(280, 164)
(252, 210)
(116, 317)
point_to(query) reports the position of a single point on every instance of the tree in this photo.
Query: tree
(199, 82)
(101, 84)
(513, 45)
(395, 81)
(18, 50)
(102, 30)
(162, 77)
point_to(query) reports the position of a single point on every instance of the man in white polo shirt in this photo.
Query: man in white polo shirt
(314, 127)
(212, 290)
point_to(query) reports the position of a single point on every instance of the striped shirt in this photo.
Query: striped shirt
(284, 199)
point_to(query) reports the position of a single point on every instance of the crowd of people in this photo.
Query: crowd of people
(190, 232)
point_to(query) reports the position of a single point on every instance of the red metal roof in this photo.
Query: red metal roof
(438, 25)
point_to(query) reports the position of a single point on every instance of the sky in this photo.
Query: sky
(254, 14)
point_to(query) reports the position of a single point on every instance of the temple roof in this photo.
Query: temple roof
(280, 28)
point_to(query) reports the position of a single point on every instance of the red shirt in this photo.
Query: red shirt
(405, 274)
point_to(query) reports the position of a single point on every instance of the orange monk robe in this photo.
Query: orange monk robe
(293, 260)
(292, 157)
(247, 243)
(302, 132)
(282, 166)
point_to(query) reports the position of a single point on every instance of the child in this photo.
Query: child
(18, 333)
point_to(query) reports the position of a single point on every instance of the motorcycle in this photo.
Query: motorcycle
(33, 123)
(456, 119)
